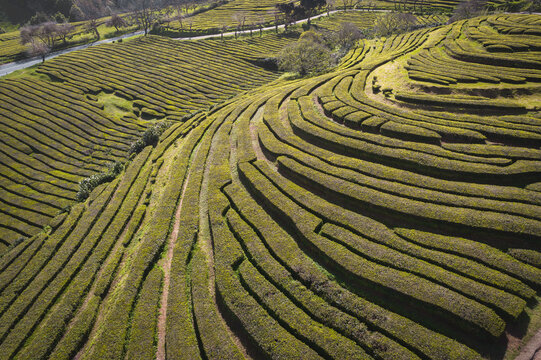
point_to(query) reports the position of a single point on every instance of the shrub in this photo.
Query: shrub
(90, 183)
(149, 137)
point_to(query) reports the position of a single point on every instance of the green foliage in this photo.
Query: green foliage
(306, 56)
(39, 18)
(151, 136)
(90, 183)
(59, 18)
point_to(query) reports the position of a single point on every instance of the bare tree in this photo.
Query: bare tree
(39, 49)
(240, 19)
(276, 13)
(64, 30)
(347, 35)
(92, 9)
(117, 22)
(346, 4)
(92, 27)
(40, 38)
(178, 5)
(167, 16)
(393, 22)
(260, 22)
(146, 12)
(468, 9)
(224, 29)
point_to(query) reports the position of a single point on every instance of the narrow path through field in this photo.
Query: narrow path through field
(162, 317)
(532, 350)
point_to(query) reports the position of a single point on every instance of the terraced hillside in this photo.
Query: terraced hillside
(55, 134)
(302, 219)
(248, 12)
(366, 19)
(169, 77)
(11, 47)
(51, 138)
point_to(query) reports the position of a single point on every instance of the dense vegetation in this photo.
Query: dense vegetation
(387, 209)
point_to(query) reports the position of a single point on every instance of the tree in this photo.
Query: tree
(329, 6)
(64, 30)
(345, 4)
(37, 48)
(76, 14)
(39, 18)
(310, 5)
(116, 21)
(146, 12)
(59, 18)
(92, 26)
(91, 9)
(40, 38)
(468, 9)
(286, 10)
(347, 35)
(393, 23)
(276, 13)
(224, 29)
(260, 22)
(178, 4)
(240, 19)
(535, 6)
(305, 56)
(64, 6)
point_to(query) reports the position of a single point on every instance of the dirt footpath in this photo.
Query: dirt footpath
(532, 350)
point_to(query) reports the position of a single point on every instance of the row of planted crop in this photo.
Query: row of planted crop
(470, 128)
(155, 82)
(40, 176)
(69, 272)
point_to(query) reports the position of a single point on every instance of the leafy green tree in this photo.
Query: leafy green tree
(76, 14)
(306, 56)
(39, 18)
(535, 6)
(286, 10)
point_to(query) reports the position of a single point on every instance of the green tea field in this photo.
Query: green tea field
(388, 208)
